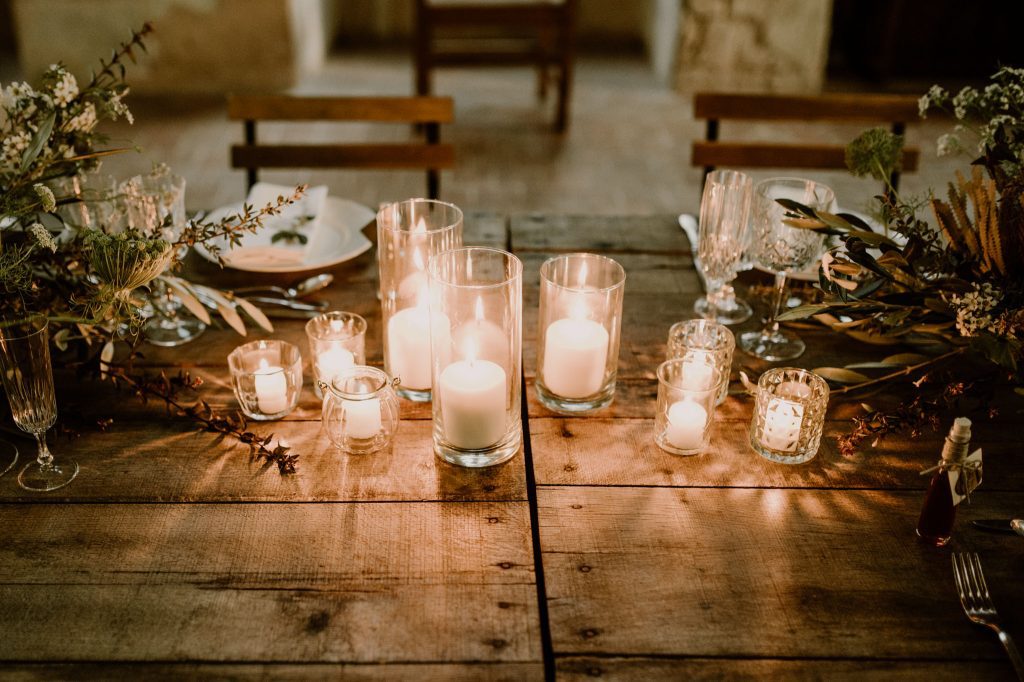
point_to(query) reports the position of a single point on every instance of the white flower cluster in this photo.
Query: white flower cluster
(65, 89)
(84, 121)
(42, 237)
(974, 310)
(14, 147)
(46, 198)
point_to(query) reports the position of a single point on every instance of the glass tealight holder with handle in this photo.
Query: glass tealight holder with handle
(28, 381)
(723, 237)
(360, 410)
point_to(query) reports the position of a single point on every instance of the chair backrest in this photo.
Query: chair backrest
(426, 112)
(896, 111)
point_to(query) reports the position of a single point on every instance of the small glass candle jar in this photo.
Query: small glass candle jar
(476, 307)
(789, 415)
(267, 378)
(360, 412)
(409, 233)
(337, 341)
(706, 344)
(687, 396)
(580, 320)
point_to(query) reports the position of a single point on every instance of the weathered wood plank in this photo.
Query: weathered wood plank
(166, 460)
(580, 668)
(764, 573)
(365, 583)
(172, 672)
(605, 234)
(390, 109)
(619, 451)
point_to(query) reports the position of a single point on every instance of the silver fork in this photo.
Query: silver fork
(977, 603)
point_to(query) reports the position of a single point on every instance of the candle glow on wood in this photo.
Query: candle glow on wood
(271, 388)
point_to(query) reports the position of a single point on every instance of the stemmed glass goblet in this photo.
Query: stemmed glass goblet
(28, 381)
(782, 249)
(723, 233)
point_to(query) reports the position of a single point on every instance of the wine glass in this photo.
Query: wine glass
(28, 380)
(723, 233)
(782, 249)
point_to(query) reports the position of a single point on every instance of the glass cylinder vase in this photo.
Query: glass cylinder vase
(267, 378)
(789, 415)
(360, 412)
(476, 307)
(337, 341)
(707, 345)
(580, 322)
(687, 396)
(409, 233)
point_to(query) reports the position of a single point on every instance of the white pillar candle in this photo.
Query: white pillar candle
(575, 357)
(697, 374)
(362, 418)
(332, 361)
(472, 395)
(409, 346)
(686, 423)
(271, 388)
(782, 421)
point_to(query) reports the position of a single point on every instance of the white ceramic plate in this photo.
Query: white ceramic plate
(339, 239)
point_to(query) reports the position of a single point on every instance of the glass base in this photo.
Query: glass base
(728, 312)
(773, 346)
(161, 331)
(571, 406)
(40, 478)
(415, 395)
(475, 459)
(665, 445)
(8, 456)
(780, 456)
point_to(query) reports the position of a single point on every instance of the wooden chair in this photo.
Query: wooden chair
(542, 36)
(895, 111)
(427, 112)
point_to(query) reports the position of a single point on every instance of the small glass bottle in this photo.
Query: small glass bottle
(939, 512)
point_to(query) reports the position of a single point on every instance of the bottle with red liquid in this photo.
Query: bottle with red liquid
(939, 512)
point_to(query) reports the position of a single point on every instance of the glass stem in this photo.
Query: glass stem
(771, 325)
(44, 458)
(714, 298)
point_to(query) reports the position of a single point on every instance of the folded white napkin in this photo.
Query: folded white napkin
(301, 218)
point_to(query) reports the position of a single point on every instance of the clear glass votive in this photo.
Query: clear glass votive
(409, 233)
(476, 306)
(580, 322)
(789, 415)
(337, 341)
(267, 378)
(706, 344)
(360, 412)
(687, 397)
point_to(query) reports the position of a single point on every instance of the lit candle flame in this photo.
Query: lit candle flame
(420, 226)
(479, 310)
(417, 260)
(337, 326)
(264, 364)
(581, 279)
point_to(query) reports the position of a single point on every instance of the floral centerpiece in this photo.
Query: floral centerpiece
(89, 280)
(944, 273)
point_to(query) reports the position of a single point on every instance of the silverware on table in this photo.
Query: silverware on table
(316, 307)
(301, 289)
(1000, 525)
(689, 225)
(977, 603)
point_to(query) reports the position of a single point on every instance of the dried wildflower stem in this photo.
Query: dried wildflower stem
(899, 373)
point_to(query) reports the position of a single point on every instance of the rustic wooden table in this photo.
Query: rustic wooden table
(592, 554)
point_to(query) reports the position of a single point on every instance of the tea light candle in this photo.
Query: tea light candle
(362, 418)
(782, 422)
(697, 374)
(473, 403)
(271, 388)
(575, 356)
(331, 362)
(686, 423)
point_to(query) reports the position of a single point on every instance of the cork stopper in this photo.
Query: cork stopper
(958, 440)
(961, 431)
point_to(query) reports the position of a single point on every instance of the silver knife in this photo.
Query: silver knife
(1000, 525)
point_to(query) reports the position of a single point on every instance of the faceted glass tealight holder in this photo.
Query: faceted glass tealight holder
(476, 308)
(360, 412)
(409, 233)
(267, 378)
(687, 396)
(789, 415)
(337, 341)
(580, 322)
(707, 344)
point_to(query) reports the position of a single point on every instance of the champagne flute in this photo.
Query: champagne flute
(28, 380)
(782, 249)
(723, 233)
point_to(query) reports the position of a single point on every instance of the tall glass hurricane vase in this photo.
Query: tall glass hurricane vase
(782, 249)
(724, 233)
(28, 381)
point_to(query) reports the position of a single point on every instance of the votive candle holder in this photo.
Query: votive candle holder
(687, 398)
(706, 344)
(337, 341)
(361, 410)
(267, 378)
(409, 233)
(789, 415)
(580, 323)
(476, 307)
